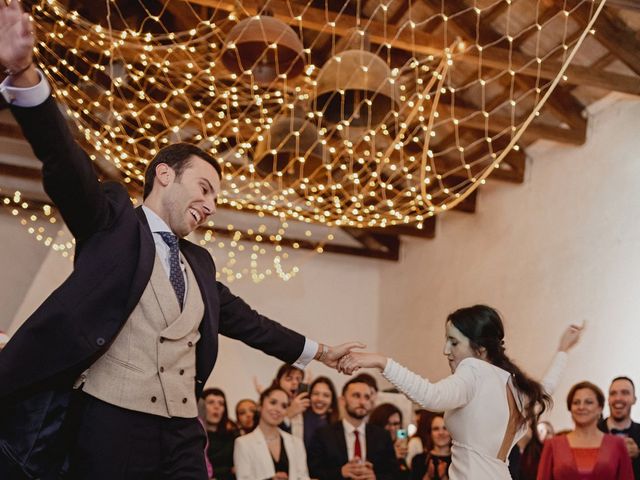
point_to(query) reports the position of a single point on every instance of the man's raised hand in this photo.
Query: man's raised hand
(16, 36)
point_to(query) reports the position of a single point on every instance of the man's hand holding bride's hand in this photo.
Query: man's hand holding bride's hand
(354, 361)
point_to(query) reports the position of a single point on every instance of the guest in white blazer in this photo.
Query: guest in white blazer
(268, 452)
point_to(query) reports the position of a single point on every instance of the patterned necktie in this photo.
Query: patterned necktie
(175, 272)
(357, 449)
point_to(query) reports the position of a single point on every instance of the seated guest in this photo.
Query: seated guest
(622, 396)
(421, 436)
(524, 457)
(268, 452)
(433, 463)
(352, 448)
(246, 415)
(289, 379)
(545, 430)
(585, 453)
(323, 408)
(221, 433)
(389, 417)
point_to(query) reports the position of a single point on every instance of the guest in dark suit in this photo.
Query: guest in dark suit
(351, 448)
(135, 326)
(622, 397)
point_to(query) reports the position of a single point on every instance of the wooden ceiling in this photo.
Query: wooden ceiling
(609, 61)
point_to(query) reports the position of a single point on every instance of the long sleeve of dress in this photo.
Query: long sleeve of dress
(452, 392)
(554, 372)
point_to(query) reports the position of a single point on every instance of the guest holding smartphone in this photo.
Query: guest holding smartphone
(389, 417)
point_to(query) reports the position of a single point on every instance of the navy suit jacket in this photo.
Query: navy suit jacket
(76, 324)
(328, 453)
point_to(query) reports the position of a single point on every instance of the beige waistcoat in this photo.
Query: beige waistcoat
(151, 365)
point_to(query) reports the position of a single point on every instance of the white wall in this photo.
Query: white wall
(563, 247)
(333, 299)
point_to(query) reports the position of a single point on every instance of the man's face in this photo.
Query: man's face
(621, 398)
(357, 400)
(188, 200)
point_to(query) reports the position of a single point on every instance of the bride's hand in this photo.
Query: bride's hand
(354, 361)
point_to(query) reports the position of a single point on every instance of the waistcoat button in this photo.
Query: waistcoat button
(161, 369)
(153, 399)
(190, 344)
(181, 372)
(161, 339)
(184, 400)
(100, 341)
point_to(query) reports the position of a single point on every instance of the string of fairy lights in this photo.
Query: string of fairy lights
(368, 119)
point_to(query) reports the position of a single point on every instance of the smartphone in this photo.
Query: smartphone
(402, 437)
(302, 388)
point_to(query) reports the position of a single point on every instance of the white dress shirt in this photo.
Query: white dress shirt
(350, 438)
(157, 225)
(33, 96)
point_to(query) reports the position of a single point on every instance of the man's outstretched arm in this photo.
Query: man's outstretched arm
(68, 175)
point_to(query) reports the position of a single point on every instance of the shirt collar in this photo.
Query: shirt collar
(156, 224)
(350, 428)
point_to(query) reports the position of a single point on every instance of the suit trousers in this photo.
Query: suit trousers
(116, 443)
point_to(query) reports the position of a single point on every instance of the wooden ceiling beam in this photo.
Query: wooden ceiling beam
(413, 40)
(561, 103)
(373, 241)
(616, 36)
(390, 254)
(625, 4)
(428, 229)
(498, 124)
(488, 15)
(19, 171)
(10, 130)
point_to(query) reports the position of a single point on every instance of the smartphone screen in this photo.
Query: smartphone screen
(401, 434)
(302, 388)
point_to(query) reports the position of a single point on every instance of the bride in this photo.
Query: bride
(488, 401)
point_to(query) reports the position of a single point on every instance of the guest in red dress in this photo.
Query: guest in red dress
(585, 453)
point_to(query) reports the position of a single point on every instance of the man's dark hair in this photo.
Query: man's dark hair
(368, 379)
(627, 379)
(177, 156)
(357, 379)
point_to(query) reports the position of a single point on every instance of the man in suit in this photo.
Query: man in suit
(351, 448)
(134, 327)
(622, 398)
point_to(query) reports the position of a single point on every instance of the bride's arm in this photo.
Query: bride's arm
(449, 393)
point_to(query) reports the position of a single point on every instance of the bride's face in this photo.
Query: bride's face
(457, 346)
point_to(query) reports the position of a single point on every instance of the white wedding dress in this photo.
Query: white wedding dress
(476, 408)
